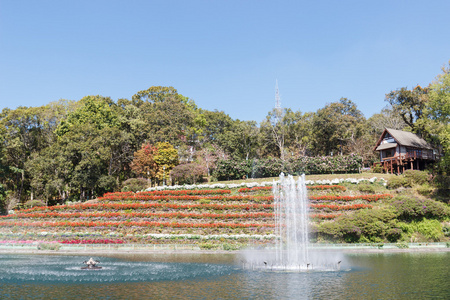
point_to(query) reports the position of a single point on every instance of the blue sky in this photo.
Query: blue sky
(225, 55)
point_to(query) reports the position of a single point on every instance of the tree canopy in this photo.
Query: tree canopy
(80, 149)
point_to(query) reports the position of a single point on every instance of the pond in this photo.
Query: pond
(221, 276)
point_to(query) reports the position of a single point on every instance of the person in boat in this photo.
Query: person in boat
(91, 262)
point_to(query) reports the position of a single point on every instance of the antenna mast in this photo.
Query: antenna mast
(277, 97)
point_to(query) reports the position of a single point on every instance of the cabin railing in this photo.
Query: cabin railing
(411, 156)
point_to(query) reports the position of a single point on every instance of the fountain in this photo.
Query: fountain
(291, 211)
(292, 250)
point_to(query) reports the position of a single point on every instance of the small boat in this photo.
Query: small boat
(91, 264)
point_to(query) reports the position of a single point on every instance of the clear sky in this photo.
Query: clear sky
(225, 55)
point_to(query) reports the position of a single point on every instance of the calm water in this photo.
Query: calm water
(219, 276)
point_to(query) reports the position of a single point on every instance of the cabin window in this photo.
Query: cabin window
(389, 153)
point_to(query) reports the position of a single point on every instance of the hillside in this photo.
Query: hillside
(236, 214)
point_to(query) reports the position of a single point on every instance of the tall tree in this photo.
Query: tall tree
(25, 131)
(335, 125)
(299, 132)
(87, 137)
(436, 120)
(241, 140)
(387, 118)
(273, 132)
(409, 104)
(154, 94)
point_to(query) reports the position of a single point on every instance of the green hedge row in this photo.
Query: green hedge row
(229, 169)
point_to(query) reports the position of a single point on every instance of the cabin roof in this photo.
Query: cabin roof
(403, 138)
(386, 146)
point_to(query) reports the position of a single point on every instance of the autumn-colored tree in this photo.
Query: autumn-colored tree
(166, 158)
(144, 163)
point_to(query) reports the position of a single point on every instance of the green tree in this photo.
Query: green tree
(241, 140)
(87, 137)
(299, 131)
(95, 110)
(215, 125)
(335, 126)
(26, 131)
(153, 94)
(167, 115)
(410, 105)
(436, 120)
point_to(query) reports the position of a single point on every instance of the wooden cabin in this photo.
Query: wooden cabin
(402, 150)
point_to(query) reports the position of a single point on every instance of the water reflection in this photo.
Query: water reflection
(372, 276)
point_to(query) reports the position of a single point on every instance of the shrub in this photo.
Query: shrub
(342, 228)
(446, 230)
(33, 203)
(397, 181)
(229, 169)
(3, 205)
(49, 246)
(416, 177)
(424, 190)
(402, 245)
(366, 188)
(134, 185)
(431, 229)
(410, 208)
(229, 247)
(371, 225)
(190, 173)
(106, 183)
(207, 246)
(441, 181)
(377, 169)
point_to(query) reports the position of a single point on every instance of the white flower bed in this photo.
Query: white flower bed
(210, 236)
(158, 236)
(265, 183)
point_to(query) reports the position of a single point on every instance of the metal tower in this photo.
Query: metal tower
(277, 97)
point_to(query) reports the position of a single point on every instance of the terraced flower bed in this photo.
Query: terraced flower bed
(237, 216)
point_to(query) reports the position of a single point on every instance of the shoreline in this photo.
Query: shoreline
(80, 251)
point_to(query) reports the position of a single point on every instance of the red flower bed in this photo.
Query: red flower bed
(341, 207)
(187, 192)
(324, 216)
(256, 188)
(98, 206)
(351, 198)
(133, 224)
(144, 197)
(130, 195)
(95, 241)
(326, 187)
(111, 214)
(144, 215)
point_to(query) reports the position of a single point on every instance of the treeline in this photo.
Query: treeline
(81, 149)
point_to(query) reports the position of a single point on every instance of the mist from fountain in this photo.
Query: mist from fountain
(292, 223)
(292, 248)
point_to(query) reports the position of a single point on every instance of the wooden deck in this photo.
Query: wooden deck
(398, 164)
